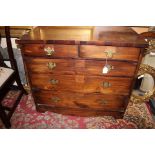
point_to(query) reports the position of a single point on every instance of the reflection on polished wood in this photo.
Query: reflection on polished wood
(97, 35)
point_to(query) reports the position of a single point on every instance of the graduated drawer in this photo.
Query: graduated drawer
(120, 53)
(79, 100)
(81, 83)
(51, 50)
(86, 67)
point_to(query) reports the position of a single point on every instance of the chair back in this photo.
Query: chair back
(2, 64)
(9, 47)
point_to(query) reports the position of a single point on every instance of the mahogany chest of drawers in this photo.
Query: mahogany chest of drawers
(65, 68)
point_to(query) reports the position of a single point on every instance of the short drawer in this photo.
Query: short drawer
(79, 100)
(50, 50)
(81, 83)
(116, 53)
(86, 67)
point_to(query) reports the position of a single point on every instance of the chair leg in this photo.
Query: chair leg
(21, 86)
(4, 118)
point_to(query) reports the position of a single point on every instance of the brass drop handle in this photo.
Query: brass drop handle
(103, 102)
(55, 99)
(110, 67)
(51, 65)
(49, 51)
(54, 81)
(106, 84)
(109, 54)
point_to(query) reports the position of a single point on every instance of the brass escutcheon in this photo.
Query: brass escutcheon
(102, 101)
(54, 81)
(51, 65)
(106, 84)
(55, 99)
(110, 67)
(109, 54)
(49, 51)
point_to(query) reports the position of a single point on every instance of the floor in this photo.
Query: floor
(26, 117)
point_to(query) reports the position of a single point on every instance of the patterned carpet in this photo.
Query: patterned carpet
(26, 117)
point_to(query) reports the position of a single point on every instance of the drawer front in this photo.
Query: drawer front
(78, 100)
(81, 83)
(58, 66)
(101, 52)
(51, 50)
(79, 111)
(117, 68)
(90, 67)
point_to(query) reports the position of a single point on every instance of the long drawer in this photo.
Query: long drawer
(101, 52)
(86, 67)
(79, 100)
(81, 83)
(87, 112)
(51, 50)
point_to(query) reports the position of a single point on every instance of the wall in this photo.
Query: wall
(3, 43)
(140, 30)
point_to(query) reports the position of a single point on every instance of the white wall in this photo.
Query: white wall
(3, 43)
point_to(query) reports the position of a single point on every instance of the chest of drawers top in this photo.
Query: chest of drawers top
(65, 68)
(86, 42)
(84, 35)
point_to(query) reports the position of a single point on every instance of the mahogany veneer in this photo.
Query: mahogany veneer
(69, 80)
(80, 67)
